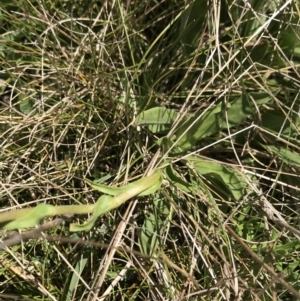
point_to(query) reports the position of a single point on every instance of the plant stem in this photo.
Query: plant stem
(59, 210)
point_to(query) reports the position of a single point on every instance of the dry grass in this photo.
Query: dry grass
(75, 76)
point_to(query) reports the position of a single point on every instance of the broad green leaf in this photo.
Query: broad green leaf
(289, 40)
(178, 181)
(193, 128)
(218, 174)
(250, 21)
(284, 249)
(148, 235)
(158, 119)
(285, 155)
(263, 54)
(260, 97)
(276, 122)
(297, 50)
(240, 109)
(214, 120)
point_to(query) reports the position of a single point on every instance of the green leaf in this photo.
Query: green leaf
(212, 122)
(158, 119)
(26, 105)
(148, 235)
(276, 122)
(214, 119)
(240, 109)
(103, 205)
(178, 181)
(29, 217)
(284, 249)
(289, 39)
(106, 203)
(153, 227)
(76, 276)
(285, 155)
(193, 128)
(218, 174)
(32, 218)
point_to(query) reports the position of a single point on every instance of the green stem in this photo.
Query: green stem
(59, 210)
(29, 217)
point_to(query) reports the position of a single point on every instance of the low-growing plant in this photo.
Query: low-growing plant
(185, 115)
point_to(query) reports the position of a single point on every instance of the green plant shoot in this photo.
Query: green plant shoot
(114, 197)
